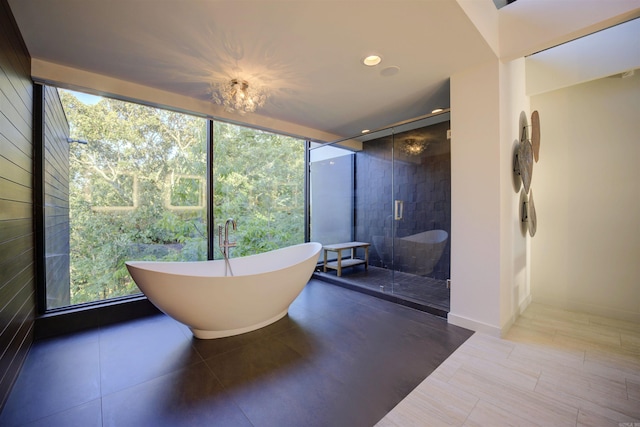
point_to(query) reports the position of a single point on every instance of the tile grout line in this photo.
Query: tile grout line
(471, 411)
(224, 388)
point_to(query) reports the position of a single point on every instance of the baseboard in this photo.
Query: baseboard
(82, 318)
(474, 325)
(589, 308)
(521, 308)
(523, 305)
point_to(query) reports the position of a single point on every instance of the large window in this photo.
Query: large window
(137, 183)
(259, 182)
(137, 190)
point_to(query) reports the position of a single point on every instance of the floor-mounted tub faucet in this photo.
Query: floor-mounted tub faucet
(225, 244)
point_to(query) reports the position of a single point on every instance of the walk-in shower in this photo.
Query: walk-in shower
(390, 188)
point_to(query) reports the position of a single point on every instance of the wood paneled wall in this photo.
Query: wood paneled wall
(17, 268)
(56, 200)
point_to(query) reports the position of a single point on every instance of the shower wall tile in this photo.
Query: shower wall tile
(424, 184)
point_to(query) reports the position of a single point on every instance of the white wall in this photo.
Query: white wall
(489, 256)
(586, 254)
(515, 291)
(475, 199)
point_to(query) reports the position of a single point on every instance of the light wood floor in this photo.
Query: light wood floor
(554, 368)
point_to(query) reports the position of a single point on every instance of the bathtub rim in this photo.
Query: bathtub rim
(247, 258)
(435, 232)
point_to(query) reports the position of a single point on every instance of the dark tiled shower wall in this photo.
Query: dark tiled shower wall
(422, 181)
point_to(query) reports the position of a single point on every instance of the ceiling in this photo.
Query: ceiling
(306, 53)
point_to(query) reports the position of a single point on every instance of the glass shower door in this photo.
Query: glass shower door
(382, 204)
(375, 206)
(421, 204)
(391, 189)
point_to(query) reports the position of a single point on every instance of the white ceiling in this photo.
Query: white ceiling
(307, 53)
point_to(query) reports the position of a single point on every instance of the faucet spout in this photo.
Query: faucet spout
(234, 226)
(225, 244)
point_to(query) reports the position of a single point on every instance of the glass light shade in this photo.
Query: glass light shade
(237, 96)
(413, 146)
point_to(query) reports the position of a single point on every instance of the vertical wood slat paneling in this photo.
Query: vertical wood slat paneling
(17, 269)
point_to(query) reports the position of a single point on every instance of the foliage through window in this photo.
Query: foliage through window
(137, 190)
(259, 181)
(119, 183)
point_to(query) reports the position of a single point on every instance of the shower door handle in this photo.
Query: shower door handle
(399, 210)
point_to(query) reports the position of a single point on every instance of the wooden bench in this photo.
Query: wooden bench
(340, 263)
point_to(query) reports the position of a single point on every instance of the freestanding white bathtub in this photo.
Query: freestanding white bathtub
(213, 305)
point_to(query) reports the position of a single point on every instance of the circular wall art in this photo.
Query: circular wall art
(517, 181)
(535, 134)
(524, 215)
(524, 152)
(525, 163)
(523, 125)
(532, 220)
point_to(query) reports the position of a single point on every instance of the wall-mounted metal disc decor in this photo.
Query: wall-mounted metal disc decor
(532, 219)
(535, 134)
(523, 125)
(524, 212)
(517, 181)
(524, 152)
(525, 163)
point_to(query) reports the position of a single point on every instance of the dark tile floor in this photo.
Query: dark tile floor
(422, 290)
(340, 358)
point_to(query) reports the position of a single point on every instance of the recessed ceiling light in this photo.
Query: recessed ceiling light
(371, 60)
(366, 131)
(437, 110)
